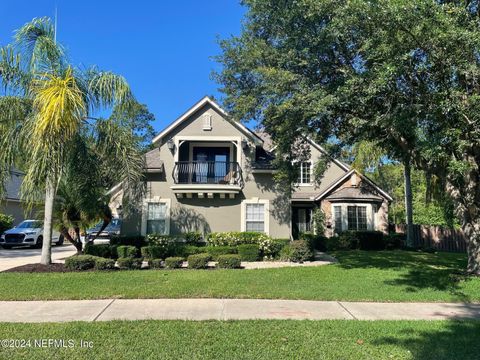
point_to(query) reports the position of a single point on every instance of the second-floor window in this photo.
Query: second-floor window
(305, 176)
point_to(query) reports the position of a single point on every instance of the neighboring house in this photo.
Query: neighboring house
(11, 204)
(209, 173)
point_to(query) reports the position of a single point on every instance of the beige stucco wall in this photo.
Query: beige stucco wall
(13, 208)
(212, 215)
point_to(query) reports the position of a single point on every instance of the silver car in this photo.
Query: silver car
(27, 233)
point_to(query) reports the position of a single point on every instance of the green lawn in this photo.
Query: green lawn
(424, 340)
(360, 276)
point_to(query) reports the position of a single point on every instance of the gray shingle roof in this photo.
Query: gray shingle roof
(354, 193)
(153, 163)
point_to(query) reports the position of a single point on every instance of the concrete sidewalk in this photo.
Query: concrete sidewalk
(227, 309)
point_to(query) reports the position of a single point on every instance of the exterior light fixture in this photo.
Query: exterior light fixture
(244, 144)
(170, 144)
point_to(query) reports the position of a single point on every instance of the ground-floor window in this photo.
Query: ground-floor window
(255, 215)
(156, 216)
(355, 217)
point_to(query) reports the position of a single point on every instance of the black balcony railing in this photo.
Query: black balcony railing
(207, 172)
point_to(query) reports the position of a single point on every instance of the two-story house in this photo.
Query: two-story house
(210, 173)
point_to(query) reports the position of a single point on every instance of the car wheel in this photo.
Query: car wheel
(60, 240)
(39, 242)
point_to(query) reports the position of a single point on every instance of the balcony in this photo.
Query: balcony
(207, 178)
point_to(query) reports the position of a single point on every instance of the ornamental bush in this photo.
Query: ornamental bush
(155, 263)
(297, 251)
(174, 262)
(137, 241)
(127, 251)
(104, 264)
(216, 251)
(101, 250)
(153, 252)
(198, 261)
(337, 243)
(230, 261)
(248, 252)
(193, 237)
(80, 262)
(235, 238)
(129, 263)
(394, 241)
(185, 251)
(6, 222)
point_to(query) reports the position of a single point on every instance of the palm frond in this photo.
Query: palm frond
(107, 89)
(36, 41)
(11, 74)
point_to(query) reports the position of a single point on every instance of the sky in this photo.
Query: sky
(163, 48)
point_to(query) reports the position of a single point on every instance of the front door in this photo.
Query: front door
(211, 164)
(301, 221)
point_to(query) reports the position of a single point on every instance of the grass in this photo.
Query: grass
(360, 276)
(251, 340)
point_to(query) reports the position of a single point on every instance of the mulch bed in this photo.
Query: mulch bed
(34, 268)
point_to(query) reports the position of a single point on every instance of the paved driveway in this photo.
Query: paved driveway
(21, 256)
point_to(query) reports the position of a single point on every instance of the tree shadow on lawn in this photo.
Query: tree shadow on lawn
(456, 339)
(416, 270)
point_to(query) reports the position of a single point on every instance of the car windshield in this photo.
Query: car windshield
(30, 224)
(115, 223)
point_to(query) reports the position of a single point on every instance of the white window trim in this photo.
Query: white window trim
(266, 218)
(299, 184)
(155, 199)
(207, 121)
(371, 216)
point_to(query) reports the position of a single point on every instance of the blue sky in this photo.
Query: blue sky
(163, 48)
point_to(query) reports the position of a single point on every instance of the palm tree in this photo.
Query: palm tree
(48, 108)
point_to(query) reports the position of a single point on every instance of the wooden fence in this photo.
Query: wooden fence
(438, 237)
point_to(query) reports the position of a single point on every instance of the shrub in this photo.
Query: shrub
(104, 264)
(316, 242)
(230, 261)
(297, 251)
(126, 251)
(337, 243)
(248, 252)
(198, 261)
(80, 262)
(394, 241)
(153, 252)
(6, 222)
(129, 263)
(160, 239)
(216, 251)
(101, 250)
(173, 262)
(137, 241)
(187, 250)
(270, 249)
(235, 238)
(155, 263)
(193, 237)
(370, 240)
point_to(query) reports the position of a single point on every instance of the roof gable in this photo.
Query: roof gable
(207, 101)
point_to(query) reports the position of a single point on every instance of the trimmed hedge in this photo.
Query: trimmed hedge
(173, 262)
(101, 250)
(187, 250)
(394, 241)
(270, 249)
(297, 251)
(104, 264)
(216, 251)
(127, 251)
(198, 261)
(129, 263)
(6, 222)
(230, 261)
(193, 237)
(248, 252)
(80, 262)
(153, 252)
(155, 263)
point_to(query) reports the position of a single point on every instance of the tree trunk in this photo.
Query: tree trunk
(408, 201)
(46, 258)
(472, 234)
(77, 244)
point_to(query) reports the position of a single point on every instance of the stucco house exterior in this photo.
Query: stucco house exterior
(11, 204)
(209, 173)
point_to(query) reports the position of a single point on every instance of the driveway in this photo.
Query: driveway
(21, 256)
